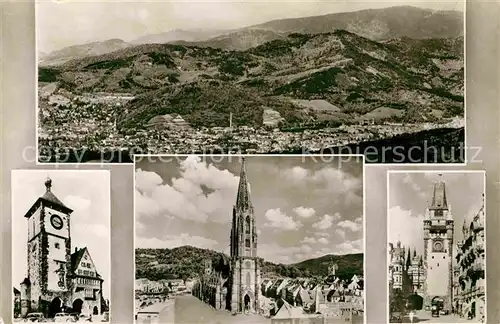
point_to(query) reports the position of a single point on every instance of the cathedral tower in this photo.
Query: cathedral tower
(244, 279)
(49, 254)
(438, 248)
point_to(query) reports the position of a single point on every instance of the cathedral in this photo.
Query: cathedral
(233, 282)
(57, 280)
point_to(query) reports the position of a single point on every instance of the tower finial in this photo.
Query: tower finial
(48, 183)
(243, 198)
(439, 200)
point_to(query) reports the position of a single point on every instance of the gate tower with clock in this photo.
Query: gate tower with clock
(49, 253)
(438, 248)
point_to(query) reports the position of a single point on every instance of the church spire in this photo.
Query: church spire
(243, 199)
(439, 200)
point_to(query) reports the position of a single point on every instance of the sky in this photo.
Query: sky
(303, 208)
(411, 193)
(87, 193)
(63, 23)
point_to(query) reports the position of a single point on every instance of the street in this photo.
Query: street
(425, 316)
(189, 310)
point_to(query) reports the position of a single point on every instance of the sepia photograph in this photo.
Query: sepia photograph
(381, 79)
(437, 239)
(61, 260)
(249, 239)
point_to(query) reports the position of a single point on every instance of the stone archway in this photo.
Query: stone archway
(246, 303)
(54, 307)
(96, 311)
(416, 301)
(77, 305)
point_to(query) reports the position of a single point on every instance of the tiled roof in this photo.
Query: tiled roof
(76, 257)
(49, 195)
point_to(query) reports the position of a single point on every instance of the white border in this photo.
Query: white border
(389, 172)
(110, 210)
(239, 156)
(37, 162)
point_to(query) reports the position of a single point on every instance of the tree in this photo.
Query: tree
(398, 302)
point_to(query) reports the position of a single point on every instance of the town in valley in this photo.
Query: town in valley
(339, 82)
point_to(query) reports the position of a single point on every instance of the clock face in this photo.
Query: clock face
(438, 246)
(56, 222)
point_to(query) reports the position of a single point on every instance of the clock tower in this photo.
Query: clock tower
(438, 249)
(49, 253)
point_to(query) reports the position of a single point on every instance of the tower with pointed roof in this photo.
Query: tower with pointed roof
(244, 280)
(438, 248)
(56, 278)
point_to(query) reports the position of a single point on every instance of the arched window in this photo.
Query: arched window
(247, 225)
(248, 279)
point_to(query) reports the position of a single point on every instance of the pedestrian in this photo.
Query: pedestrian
(411, 314)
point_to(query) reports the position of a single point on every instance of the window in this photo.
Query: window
(247, 225)
(433, 257)
(438, 264)
(443, 257)
(247, 243)
(56, 245)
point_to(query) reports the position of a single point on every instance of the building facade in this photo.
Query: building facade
(470, 297)
(438, 249)
(235, 284)
(57, 279)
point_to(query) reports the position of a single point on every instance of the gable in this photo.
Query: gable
(85, 265)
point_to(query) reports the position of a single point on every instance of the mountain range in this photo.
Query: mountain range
(374, 24)
(330, 77)
(188, 261)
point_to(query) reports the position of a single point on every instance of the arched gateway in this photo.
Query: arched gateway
(77, 305)
(55, 307)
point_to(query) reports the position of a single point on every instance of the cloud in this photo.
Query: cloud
(408, 180)
(279, 220)
(406, 227)
(350, 225)
(304, 212)
(309, 240)
(340, 233)
(82, 233)
(147, 181)
(285, 254)
(296, 173)
(326, 221)
(77, 203)
(200, 193)
(323, 240)
(172, 241)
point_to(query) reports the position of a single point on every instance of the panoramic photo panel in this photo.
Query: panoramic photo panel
(61, 260)
(437, 260)
(249, 77)
(255, 239)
